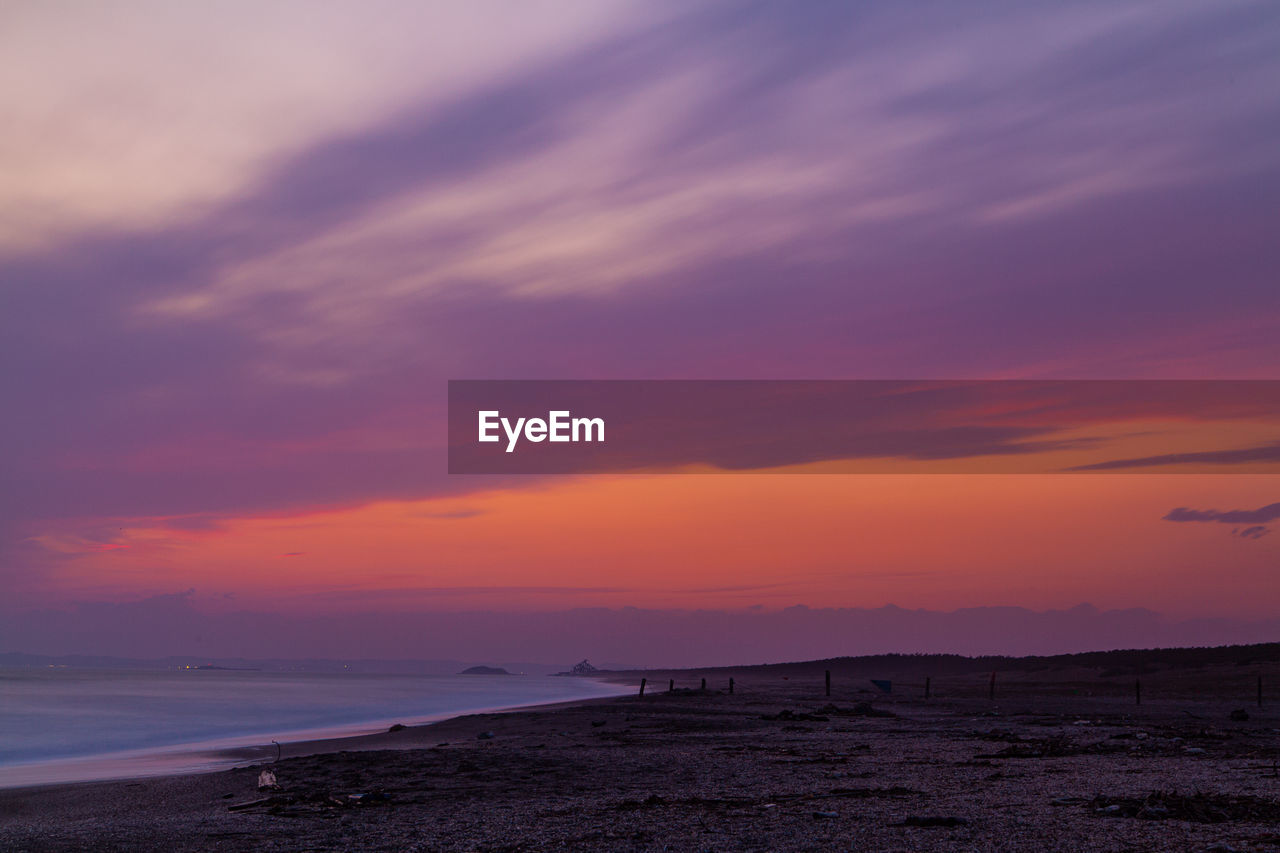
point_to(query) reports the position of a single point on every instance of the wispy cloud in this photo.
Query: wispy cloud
(1256, 520)
(1261, 515)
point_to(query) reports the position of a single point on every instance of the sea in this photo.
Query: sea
(71, 725)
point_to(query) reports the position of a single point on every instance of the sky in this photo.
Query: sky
(244, 248)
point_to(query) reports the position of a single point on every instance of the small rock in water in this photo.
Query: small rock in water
(817, 815)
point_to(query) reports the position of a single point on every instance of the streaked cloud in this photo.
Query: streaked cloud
(1261, 515)
(1255, 520)
(139, 114)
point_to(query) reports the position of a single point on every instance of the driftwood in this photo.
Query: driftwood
(313, 799)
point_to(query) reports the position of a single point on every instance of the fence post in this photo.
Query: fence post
(730, 686)
(671, 686)
(991, 688)
(1137, 691)
(828, 682)
(1259, 691)
(926, 687)
(704, 684)
(642, 683)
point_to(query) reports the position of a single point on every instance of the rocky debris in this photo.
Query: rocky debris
(1240, 715)
(267, 781)
(794, 717)
(656, 801)
(1196, 808)
(860, 709)
(1055, 746)
(1069, 801)
(397, 727)
(932, 820)
(485, 736)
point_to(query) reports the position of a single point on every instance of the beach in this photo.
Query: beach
(1051, 760)
(76, 725)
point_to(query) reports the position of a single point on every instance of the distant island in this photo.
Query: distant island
(484, 670)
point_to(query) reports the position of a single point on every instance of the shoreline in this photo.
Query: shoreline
(212, 756)
(1052, 762)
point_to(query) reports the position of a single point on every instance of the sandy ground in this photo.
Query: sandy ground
(775, 766)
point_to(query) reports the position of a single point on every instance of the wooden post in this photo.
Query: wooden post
(991, 688)
(671, 686)
(704, 684)
(642, 683)
(926, 687)
(828, 682)
(730, 686)
(1137, 691)
(1259, 691)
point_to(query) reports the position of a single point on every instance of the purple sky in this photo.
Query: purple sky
(241, 251)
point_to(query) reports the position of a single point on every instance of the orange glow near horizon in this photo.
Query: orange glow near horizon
(929, 541)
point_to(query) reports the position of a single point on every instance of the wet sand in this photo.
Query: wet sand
(777, 765)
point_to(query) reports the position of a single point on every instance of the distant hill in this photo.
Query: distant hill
(484, 670)
(1119, 660)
